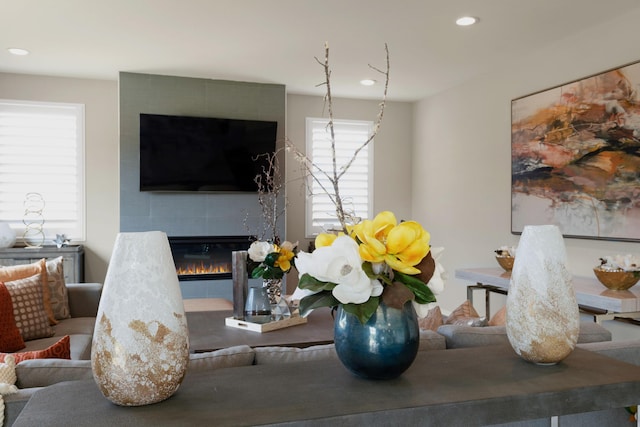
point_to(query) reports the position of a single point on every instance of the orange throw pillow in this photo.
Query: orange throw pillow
(59, 350)
(465, 314)
(499, 318)
(10, 338)
(22, 271)
(432, 321)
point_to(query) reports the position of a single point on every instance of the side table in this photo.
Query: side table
(459, 387)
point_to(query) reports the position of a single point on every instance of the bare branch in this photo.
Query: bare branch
(312, 170)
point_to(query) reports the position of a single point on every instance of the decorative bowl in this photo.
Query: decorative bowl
(617, 280)
(505, 261)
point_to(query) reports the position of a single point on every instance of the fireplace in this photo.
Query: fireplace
(206, 257)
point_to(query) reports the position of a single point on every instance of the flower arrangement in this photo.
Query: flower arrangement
(620, 263)
(378, 259)
(366, 262)
(269, 260)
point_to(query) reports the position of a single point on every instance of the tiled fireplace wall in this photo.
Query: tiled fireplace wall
(190, 214)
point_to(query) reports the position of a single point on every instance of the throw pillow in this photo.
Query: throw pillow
(7, 381)
(432, 321)
(8, 371)
(58, 295)
(466, 315)
(28, 308)
(10, 338)
(59, 350)
(499, 318)
(22, 271)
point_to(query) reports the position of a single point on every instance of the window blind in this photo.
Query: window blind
(42, 151)
(355, 185)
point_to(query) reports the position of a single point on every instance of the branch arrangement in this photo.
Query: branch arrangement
(313, 171)
(270, 185)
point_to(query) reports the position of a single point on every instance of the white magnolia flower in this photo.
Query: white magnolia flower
(259, 250)
(436, 284)
(340, 263)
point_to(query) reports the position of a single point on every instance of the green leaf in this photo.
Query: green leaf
(363, 311)
(271, 258)
(258, 271)
(321, 299)
(311, 283)
(418, 287)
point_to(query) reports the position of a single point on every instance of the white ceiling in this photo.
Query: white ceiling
(275, 41)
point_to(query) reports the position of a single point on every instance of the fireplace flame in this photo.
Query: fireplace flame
(202, 268)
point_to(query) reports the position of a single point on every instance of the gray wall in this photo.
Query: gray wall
(190, 214)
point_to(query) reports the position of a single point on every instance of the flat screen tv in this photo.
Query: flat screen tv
(180, 153)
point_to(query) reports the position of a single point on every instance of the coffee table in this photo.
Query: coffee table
(458, 387)
(208, 332)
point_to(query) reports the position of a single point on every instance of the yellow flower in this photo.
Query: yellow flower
(401, 246)
(285, 256)
(325, 239)
(286, 252)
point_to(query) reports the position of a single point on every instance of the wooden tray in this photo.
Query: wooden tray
(265, 327)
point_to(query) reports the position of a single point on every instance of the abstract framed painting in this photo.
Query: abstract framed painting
(575, 157)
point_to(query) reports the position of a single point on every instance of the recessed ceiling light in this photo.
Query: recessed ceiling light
(367, 82)
(18, 51)
(466, 20)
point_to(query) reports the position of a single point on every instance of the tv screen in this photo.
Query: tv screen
(180, 153)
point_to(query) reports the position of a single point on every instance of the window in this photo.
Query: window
(356, 186)
(42, 151)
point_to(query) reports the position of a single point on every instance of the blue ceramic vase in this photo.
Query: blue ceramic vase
(382, 348)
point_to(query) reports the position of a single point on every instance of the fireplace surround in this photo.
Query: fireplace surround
(206, 257)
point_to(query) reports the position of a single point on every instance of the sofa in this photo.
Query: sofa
(32, 375)
(83, 307)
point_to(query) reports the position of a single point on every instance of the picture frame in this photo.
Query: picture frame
(575, 157)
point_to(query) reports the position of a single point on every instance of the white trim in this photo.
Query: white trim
(49, 163)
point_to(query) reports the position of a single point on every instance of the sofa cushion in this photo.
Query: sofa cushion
(457, 336)
(59, 350)
(28, 307)
(592, 332)
(277, 355)
(75, 325)
(58, 295)
(624, 350)
(431, 340)
(241, 355)
(42, 373)
(10, 338)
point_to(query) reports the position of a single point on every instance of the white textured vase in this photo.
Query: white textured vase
(543, 321)
(140, 348)
(7, 236)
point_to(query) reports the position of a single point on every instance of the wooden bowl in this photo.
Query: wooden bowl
(617, 280)
(505, 261)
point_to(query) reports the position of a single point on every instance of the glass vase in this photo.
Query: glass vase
(382, 348)
(279, 306)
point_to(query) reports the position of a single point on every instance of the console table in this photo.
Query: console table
(459, 387)
(72, 258)
(591, 295)
(207, 332)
